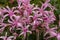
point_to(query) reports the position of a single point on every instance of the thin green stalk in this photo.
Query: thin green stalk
(37, 34)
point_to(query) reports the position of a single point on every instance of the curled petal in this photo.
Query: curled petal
(21, 33)
(29, 32)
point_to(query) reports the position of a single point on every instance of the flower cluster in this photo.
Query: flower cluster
(26, 16)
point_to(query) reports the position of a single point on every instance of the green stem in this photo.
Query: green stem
(23, 38)
(37, 34)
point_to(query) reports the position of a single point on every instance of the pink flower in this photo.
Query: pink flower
(6, 38)
(36, 19)
(9, 11)
(2, 25)
(58, 36)
(25, 30)
(15, 22)
(27, 15)
(52, 32)
(2, 10)
(28, 8)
